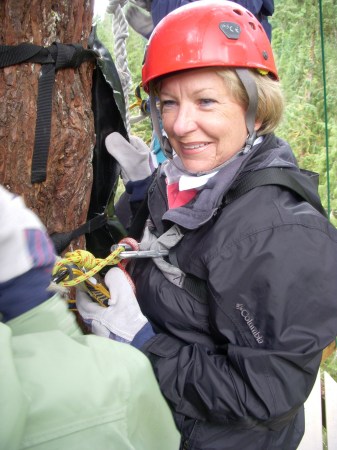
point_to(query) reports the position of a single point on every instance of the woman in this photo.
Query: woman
(241, 309)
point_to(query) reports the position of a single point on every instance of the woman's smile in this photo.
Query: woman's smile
(193, 148)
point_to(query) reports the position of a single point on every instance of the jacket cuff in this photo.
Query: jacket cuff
(138, 189)
(143, 335)
(25, 292)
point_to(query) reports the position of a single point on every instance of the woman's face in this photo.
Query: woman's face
(204, 124)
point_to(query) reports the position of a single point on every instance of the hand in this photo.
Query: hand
(134, 157)
(122, 319)
(139, 20)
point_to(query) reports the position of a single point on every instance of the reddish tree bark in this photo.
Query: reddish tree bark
(61, 201)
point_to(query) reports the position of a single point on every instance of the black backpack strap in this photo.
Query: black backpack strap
(303, 183)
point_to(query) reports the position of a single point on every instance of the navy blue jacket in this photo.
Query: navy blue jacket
(260, 8)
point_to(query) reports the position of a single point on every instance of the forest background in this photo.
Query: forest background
(304, 39)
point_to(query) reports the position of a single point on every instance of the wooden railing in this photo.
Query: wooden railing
(321, 415)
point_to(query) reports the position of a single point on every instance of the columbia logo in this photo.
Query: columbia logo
(250, 322)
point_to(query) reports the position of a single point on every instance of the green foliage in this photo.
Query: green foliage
(309, 123)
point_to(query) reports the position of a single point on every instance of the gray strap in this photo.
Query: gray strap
(251, 89)
(167, 241)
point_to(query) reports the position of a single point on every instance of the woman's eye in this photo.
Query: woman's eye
(166, 103)
(206, 101)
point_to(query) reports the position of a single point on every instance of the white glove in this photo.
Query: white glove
(134, 158)
(122, 319)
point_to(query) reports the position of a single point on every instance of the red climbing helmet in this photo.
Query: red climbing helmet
(207, 33)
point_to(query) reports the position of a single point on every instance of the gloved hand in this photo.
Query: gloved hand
(122, 319)
(134, 158)
(139, 20)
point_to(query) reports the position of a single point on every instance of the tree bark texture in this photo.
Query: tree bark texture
(61, 201)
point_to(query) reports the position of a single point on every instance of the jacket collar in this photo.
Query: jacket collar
(272, 152)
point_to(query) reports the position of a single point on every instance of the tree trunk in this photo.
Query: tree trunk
(61, 201)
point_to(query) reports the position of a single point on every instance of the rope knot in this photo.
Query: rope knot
(82, 258)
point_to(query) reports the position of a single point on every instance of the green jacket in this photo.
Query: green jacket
(61, 389)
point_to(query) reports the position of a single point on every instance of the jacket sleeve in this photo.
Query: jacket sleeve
(273, 309)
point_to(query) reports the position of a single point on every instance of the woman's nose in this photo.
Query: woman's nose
(184, 121)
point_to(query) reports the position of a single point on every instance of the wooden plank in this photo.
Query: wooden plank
(330, 389)
(313, 436)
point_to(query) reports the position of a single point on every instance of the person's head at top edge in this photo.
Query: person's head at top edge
(212, 67)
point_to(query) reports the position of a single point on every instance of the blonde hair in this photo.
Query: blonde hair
(270, 97)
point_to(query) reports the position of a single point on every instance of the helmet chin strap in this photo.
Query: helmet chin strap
(249, 84)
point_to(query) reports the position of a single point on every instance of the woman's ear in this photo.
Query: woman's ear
(258, 124)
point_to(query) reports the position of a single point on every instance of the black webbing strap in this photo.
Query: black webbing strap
(303, 183)
(62, 240)
(57, 56)
(90, 226)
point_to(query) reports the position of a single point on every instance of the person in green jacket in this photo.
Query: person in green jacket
(61, 389)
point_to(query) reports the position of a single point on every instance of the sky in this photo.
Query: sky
(100, 7)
